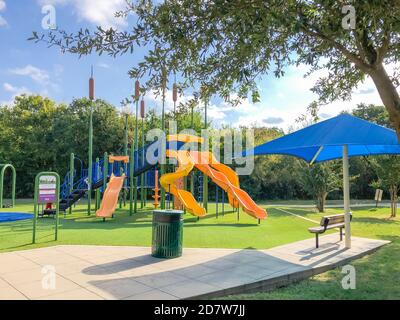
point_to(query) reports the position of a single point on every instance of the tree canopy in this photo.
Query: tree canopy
(222, 47)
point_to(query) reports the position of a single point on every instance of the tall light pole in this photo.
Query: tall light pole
(89, 184)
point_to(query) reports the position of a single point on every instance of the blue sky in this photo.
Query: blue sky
(26, 67)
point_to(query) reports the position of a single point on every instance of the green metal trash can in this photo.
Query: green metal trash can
(167, 233)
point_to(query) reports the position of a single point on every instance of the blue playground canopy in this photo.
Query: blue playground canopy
(343, 136)
(324, 140)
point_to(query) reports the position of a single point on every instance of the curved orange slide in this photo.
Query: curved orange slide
(201, 161)
(208, 158)
(167, 182)
(110, 198)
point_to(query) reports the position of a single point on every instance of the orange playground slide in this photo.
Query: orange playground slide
(201, 161)
(167, 182)
(221, 174)
(110, 198)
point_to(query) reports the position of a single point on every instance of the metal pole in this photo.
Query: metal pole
(223, 203)
(90, 160)
(71, 176)
(90, 155)
(137, 157)
(13, 185)
(125, 153)
(142, 189)
(97, 192)
(346, 196)
(35, 209)
(205, 177)
(135, 146)
(216, 200)
(162, 166)
(105, 171)
(57, 205)
(192, 177)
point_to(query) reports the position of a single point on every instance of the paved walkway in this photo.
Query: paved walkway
(106, 272)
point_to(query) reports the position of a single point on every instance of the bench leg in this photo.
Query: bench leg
(341, 234)
(316, 240)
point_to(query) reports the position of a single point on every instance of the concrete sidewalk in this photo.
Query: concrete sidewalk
(107, 272)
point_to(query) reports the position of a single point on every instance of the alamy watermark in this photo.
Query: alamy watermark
(230, 147)
(349, 20)
(49, 277)
(349, 280)
(49, 21)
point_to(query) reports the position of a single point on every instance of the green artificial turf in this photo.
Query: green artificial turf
(208, 232)
(377, 275)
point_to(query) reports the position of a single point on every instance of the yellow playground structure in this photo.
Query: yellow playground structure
(222, 175)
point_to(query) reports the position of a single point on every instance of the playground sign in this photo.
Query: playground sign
(47, 189)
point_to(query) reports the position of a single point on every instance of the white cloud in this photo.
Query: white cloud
(273, 120)
(3, 22)
(38, 75)
(8, 87)
(98, 12)
(155, 102)
(104, 65)
(15, 91)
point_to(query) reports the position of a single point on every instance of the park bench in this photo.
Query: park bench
(329, 222)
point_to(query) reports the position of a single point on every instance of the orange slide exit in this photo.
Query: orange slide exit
(110, 198)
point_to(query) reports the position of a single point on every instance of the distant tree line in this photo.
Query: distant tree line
(38, 134)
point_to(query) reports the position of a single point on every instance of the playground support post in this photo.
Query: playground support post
(71, 176)
(36, 202)
(97, 192)
(131, 177)
(162, 166)
(126, 154)
(13, 183)
(105, 171)
(192, 177)
(135, 145)
(142, 187)
(90, 160)
(346, 196)
(205, 177)
(91, 97)
(137, 156)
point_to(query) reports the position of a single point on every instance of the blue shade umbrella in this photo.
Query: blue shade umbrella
(343, 136)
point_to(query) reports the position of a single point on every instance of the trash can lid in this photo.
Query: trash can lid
(167, 215)
(168, 211)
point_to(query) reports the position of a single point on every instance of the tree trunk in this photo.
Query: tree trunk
(393, 200)
(389, 95)
(321, 200)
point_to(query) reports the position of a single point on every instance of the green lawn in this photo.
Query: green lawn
(224, 232)
(377, 275)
